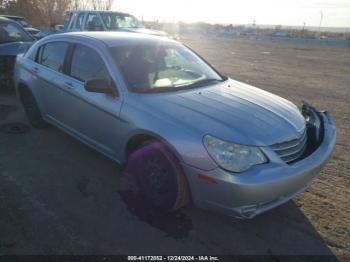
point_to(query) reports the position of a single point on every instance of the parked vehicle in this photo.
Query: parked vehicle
(13, 41)
(23, 22)
(59, 28)
(182, 129)
(105, 21)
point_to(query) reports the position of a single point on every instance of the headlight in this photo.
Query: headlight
(233, 157)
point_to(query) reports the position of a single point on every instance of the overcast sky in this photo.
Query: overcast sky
(336, 13)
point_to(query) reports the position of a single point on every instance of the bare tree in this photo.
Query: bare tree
(61, 7)
(80, 4)
(49, 12)
(102, 4)
(26, 8)
(52, 10)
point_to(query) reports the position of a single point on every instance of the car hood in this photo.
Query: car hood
(14, 48)
(232, 111)
(144, 31)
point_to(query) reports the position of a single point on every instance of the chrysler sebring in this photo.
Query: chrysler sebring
(185, 132)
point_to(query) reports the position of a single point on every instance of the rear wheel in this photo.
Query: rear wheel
(32, 110)
(159, 177)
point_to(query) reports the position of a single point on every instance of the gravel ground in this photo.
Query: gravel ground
(58, 196)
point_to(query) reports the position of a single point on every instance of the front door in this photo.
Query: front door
(93, 117)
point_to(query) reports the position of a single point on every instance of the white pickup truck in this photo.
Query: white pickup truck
(105, 21)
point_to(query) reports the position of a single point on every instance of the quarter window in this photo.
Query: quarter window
(52, 55)
(87, 65)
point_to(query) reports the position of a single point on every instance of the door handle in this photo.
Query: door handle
(69, 85)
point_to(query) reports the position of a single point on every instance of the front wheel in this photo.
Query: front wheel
(159, 177)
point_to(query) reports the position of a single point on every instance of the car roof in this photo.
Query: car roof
(5, 19)
(96, 12)
(113, 39)
(12, 17)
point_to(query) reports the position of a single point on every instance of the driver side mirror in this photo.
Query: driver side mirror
(101, 86)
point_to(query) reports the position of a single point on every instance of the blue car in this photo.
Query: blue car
(23, 22)
(13, 41)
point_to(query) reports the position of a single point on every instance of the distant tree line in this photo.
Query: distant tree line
(203, 28)
(49, 12)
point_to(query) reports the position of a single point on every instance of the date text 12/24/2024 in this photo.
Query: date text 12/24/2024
(173, 258)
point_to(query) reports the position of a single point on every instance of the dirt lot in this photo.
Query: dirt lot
(57, 196)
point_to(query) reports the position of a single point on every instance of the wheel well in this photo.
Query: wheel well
(136, 141)
(22, 89)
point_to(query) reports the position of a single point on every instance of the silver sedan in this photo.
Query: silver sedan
(182, 130)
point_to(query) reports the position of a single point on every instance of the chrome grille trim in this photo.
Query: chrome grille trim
(290, 151)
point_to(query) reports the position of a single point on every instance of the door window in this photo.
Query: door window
(79, 23)
(72, 22)
(52, 55)
(87, 65)
(93, 23)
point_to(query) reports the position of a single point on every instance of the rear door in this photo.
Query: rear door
(52, 80)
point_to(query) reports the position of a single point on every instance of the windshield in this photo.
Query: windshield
(159, 68)
(23, 22)
(13, 33)
(114, 21)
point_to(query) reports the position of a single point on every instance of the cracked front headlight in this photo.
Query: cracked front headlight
(233, 157)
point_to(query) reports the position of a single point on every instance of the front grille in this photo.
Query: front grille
(292, 150)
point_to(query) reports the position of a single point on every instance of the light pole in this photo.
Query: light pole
(303, 31)
(321, 18)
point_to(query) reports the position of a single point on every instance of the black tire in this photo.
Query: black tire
(32, 110)
(159, 177)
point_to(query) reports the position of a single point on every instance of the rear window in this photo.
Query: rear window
(114, 21)
(12, 33)
(52, 55)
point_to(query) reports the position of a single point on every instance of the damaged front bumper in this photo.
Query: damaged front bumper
(264, 187)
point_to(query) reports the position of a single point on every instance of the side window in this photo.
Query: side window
(33, 54)
(87, 65)
(93, 23)
(79, 23)
(52, 55)
(72, 22)
(67, 21)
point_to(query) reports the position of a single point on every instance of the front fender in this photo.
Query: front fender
(186, 143)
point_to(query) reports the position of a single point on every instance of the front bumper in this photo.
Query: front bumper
(264, 186)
